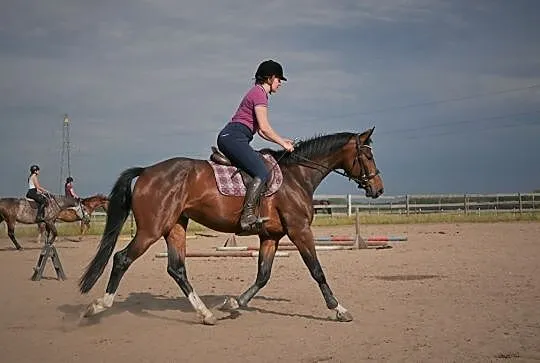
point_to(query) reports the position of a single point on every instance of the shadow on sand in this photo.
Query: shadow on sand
(148, 305)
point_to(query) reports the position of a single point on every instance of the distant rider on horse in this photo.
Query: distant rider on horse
(36, 192)
(69, 191)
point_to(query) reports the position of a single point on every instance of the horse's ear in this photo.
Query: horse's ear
(366, 135)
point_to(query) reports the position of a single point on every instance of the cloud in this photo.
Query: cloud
(146, 80)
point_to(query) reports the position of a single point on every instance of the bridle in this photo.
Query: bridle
(365, 176)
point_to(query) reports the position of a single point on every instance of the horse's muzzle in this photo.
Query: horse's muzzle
(372, 192)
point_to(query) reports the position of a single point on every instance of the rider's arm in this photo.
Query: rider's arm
(265, 129)
(37, 185)
(73, 192)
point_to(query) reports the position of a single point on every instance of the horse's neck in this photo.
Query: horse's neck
(313, 174)
(63, 202)
(93, 204)
(90, 205)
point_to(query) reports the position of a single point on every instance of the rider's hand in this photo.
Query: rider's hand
(288, 145)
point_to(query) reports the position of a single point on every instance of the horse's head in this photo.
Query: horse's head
(360, 164)
(96, 201)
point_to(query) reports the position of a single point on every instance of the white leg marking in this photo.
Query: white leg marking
(100, 305)
(342, 314)
(340, 309)
(202, 310)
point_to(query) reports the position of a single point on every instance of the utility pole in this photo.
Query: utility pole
(65, 162)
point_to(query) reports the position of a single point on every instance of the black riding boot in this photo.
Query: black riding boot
(40, 217)
(251, 200)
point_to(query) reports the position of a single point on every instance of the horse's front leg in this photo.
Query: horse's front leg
(51, 232)
(84, 227)
(303, 239)
(41, 233)
(267, 251)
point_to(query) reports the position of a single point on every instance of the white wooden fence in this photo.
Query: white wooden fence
(346, 204)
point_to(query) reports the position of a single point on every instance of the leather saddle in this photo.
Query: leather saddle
(219, 158)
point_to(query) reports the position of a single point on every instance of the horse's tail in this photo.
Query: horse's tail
(118, 211)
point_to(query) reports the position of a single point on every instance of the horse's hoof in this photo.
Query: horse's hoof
(209, 320)
(90, 311)
(94, 308)
(230, 303)
(344, 316)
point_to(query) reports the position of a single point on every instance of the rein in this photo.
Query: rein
(362, 180)
(81, 206)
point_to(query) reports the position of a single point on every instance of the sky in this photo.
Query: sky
(452, 87)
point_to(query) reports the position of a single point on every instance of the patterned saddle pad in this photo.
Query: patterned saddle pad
(233, 185)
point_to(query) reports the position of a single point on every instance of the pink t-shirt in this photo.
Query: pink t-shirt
(245, 113)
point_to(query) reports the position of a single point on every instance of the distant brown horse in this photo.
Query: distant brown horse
(317, 202)
(170, 193)
(21, 210)
(88, 205)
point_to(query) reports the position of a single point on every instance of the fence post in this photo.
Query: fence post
(349, 205)
(520, 204)
(465, 204)
(407, 203)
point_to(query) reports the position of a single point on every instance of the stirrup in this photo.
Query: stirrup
(254, 228)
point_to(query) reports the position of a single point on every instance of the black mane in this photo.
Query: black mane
(311, 148)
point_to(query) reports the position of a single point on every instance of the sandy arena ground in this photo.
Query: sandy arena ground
(452, 292)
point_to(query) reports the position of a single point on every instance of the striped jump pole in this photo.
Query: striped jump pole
(323, 243)
(351, 243)
(387, 238)
(335, 239)
(235, 253)
(284, 248)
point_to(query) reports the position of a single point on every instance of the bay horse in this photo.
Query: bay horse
(169, 193)
(88, 205)
(24, 211)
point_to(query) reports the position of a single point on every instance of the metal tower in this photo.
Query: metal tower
(65, 162)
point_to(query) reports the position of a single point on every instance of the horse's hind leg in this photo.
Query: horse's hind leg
(306, 246)
(11, 233)
(121, 262)
(176, 253)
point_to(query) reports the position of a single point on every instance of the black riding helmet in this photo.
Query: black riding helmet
(269, 68)
(69, 179)
(34, 168)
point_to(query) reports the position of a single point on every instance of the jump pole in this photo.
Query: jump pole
(285, 248)
(236, 253)
(350, 243)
